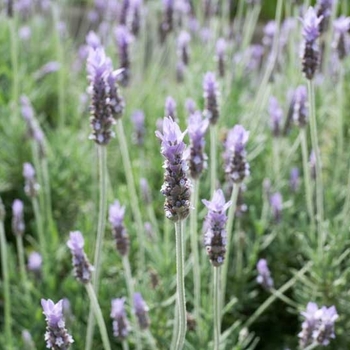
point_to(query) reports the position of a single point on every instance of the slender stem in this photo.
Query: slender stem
(230, 220)
(98, 314)
(285, 299)
(130, 285)
(22, 267)
(340, 95)
(213, 137)
(180, 282)
(307, 180)
(276, 159)
(6, 284)
(319, 184)
(14, 64)
(153, 219)
(217, 308)
(312, 346)
(195, 252)
(132, 191)
(102, 164)
(125, 345)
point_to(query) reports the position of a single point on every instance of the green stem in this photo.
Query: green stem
(130, 285)
(180, 282)
(258, 312)
(312, 346)
(230, 221)
(276, 159)
(21, 261)
(319, 185)
(307, 180)
(213, 137)
(14, 64)
(340, 93)
(153, 219)
(125, 345)
(195, 252)
(102, 165)
(6, 284)
(132, 191)
(217, 308)
(98, 314)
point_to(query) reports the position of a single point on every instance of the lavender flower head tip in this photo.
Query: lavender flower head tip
(116, 213)
(197, 125)
(276, 201)
(237, 137)
(209, 82)
(17, 207)
(220, 47)
(342, 24)
(261, 266)
(28, 171)
(93, 40)
(217, 204)
(118, 309)
(172, 134)
(34, 262)
(76, 242)
(139, 303)
(311, 25)
(98, 64)
(53, 312)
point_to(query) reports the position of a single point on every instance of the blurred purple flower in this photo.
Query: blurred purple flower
(190, 106)
(145, 191)
(18, 225)
(170, 108)
(220, 49)
(276, 206)
(299, 106)
(120, 323)
(123, 40)
(312, 161)
(276, 116)
(138, 119)
(324, 11)
(294, 180)
(92, 40)
(211, 95)
(341, 36)
(264, 274)
(31, 187)
(24, 33)
(35, 261)
(183, 42)
(116, 218)
(141, 311)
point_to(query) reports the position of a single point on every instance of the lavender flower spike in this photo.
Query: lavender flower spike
(215, 233)
(299, 106)
(120, 323)
(220, 55)
(141, 311)
(82, 267)
(276, 205)
(123, 41)
(276, 115)
(294, 179)
(116, 218)
(211, 95)
(176, 187)
(311, 33)
(170, 108)
(138, 119)
(309, 325)
(56, 336)
(31, 187)
(264, 277)
(197, 127)
(324, 10)
(236, 165)
(35, 261)
(183, 41)
(18, 225)
(341, 37)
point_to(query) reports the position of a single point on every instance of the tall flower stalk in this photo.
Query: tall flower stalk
(5, 278)
(215, 243)
(176, 189)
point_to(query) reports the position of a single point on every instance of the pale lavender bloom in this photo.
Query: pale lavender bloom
(183, 42)
(269, 33)
(35, 261)
(211, 95)
(18, 225)
(31, 187)
(123, 40)
(82, 267)
(180, 71)
(214, 226)
(138, 119)
(311, 33)
(236, 165)
(309, 325)
(116, 218)
(176, 186)
(276, 206)
(125, 4)
(276, 116)
(255, 53)
(312, 162)
(141, 311)
(294, 180)
(220, 49)
(197, 128)
(121, 326)
(149, 230)
(56, 335)
(92, 40)
(27, 340)
(206, 34)
(324, 10)
(24, 33)
(264, 278)
(170, 108)
(48, 68)
(190, 105)
(135, 11)
(341, 37)
(167, 23)
(145, 191)
(299, 106)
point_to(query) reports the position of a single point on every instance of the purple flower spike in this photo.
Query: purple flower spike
(170, 108)
(82, 267)
(135, 10)
(341, 36)
(220, 55)
(176, 187)
(106, 104)
(318, 326)
(211, 95)
(120, 323)
(294, 180)
(183, 41)
(324, 11)
(141, 311)
(18, 225)
(299, 106)
(190, 106)
(56, 335)
(264, 277)
(276, 205)
(312, 162)
(35, 262)
(145, 191)
(167, 23)
(311, 33)
(138, 119)
(123, 40)
(269, 33)
(197, 128)
(31, 187)
(215, 233)
(236, 165)
(276, 116)
(93, 40)
(116, 218)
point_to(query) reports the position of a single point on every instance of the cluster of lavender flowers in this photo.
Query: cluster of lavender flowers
(56, 336)
(214, 228)
(121, 325)
(106, 102)
(31, 186)
(318, 326)
(264, 275)
(176, 187)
